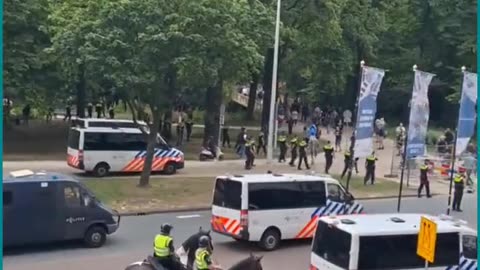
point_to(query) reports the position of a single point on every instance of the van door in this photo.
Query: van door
(72, 211)
(314, 200)
(339, 202)
(44, 213)
(468, 258)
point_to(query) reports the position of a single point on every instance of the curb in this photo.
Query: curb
(206, 208)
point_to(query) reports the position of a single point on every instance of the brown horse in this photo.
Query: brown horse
(252, 262)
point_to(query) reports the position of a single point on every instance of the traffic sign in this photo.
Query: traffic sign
(427, 238)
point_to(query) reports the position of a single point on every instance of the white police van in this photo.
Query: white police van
(389, 241)
(117, 146)
(267, 208)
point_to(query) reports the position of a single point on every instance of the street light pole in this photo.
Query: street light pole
(273, 99)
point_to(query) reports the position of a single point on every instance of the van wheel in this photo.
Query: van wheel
(95, 237)
(270, 240)
(170, 168)
(101, 170)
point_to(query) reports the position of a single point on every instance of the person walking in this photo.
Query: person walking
(282, 144)
(347, 160)
(250, 153)
(225, 137)
(189, 126)
(240, 143)
(459, 186)
(293, 151)
(370, 167)
(338, 139)
(424, 180)
(261, 143)
(328, 149)
(68, 113)
(90, 110)
(98, 109)
(111, 113)
(302, 150)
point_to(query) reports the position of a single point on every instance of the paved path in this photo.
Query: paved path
(133, 241)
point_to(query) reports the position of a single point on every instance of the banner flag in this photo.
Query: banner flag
(467, 115)
(366, 110)
(419, 115)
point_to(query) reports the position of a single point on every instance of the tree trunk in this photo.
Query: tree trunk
(213, 102)
(152, 139)
(252, 96)
(267, 88)
(81, 92)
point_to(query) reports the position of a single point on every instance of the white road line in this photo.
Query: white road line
(188, 216)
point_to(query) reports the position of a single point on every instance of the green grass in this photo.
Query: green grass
(171, 193)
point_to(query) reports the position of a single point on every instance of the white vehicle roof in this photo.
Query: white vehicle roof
(110, 120)
(109, 130)
(267, 177)
(382, 224)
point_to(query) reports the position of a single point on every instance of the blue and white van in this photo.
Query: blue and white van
(389, 241)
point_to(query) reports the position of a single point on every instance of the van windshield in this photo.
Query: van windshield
(227, 194)
(73, 139)
(332, 245)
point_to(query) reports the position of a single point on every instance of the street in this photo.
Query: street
(133, 241)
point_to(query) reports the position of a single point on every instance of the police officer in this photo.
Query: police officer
(370, 166)
(203, 260)
(347, 160)
(261, 143)
(328, 149)
(302, 150)
(424, 180)
(459, 185)
(250, 153)
(282, 144)
(90, 110)
(293, 151)
(163, 249)
(98, 109)
(189, 125)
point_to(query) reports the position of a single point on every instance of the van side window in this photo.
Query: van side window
(72, 196)
(469, 243)
(269, 196)
(399, 251)
(335, 193)
(313, 194)
(134, 142)
(7, 198)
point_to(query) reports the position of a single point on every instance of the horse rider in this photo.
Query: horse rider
(203, 260)
(163, 249)
(370, 166)
(424, 180)
(293, 147)
(282, 144)
(459, 186)
(328, 149)
(302, 150)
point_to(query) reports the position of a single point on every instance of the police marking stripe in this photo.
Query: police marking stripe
(465, 264)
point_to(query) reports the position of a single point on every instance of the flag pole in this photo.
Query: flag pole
(404, 154)
(452, 161)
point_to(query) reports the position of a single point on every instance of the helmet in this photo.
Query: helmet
(166, 228)
(204, 241)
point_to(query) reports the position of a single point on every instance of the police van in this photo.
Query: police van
(389, 241)
(111, 123)
(268, 208)
(102, 150)
(45, 207)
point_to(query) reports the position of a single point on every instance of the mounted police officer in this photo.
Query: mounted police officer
(328, 149)
(424, 180)
(293, 147)
(282, 144)
(163, 249)
(370, 166)
(203, 259)
(302, 150)
(459, 186)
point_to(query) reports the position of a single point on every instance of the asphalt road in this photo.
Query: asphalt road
(134, 239)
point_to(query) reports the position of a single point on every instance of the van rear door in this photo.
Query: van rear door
(74, 151)
(226, 207)
(331, 248)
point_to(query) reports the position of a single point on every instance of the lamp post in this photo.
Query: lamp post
(271, 119)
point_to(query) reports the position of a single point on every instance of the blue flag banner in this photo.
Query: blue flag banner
(419, 115)
(367, 108)
(467, 115)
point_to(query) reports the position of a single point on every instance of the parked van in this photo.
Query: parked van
(267, 208)
(389, 241)
(48, 207)
(107, 123)
(102, 150)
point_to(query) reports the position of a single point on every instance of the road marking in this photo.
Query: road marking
(188, 216)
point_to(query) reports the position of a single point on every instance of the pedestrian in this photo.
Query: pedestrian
(424, 180)
(370, 167)
(111, 112)
(328, 149)
(189, 125)
(290, 125)
(347, 160)
(90, 110)
(50, 112)
(68, 113)
(26, 113)
(180, 131)
(282, 144)
(240, 143)
(261, 143)
(250, 153)
(295, 117)
(293, 150)
(469, 162)
(225, 137)
(302, 150)
(338, 139)
(459, 186)
(98, 109)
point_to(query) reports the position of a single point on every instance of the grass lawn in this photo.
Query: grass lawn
(177, 193)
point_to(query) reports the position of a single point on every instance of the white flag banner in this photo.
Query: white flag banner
(419, 115)
(367, 108)
(468, 114)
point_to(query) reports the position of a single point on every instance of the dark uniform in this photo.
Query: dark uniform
(225, 137)
(302, 150)
(189, 125)
(90, 110)
(250, 153)
(459, 185)
(293, 151)
(98, 109)
(111, 113)
(328, 149)
(261, 144)
(282, 144)
(370, 166)
(424, 181)
(347, 161)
